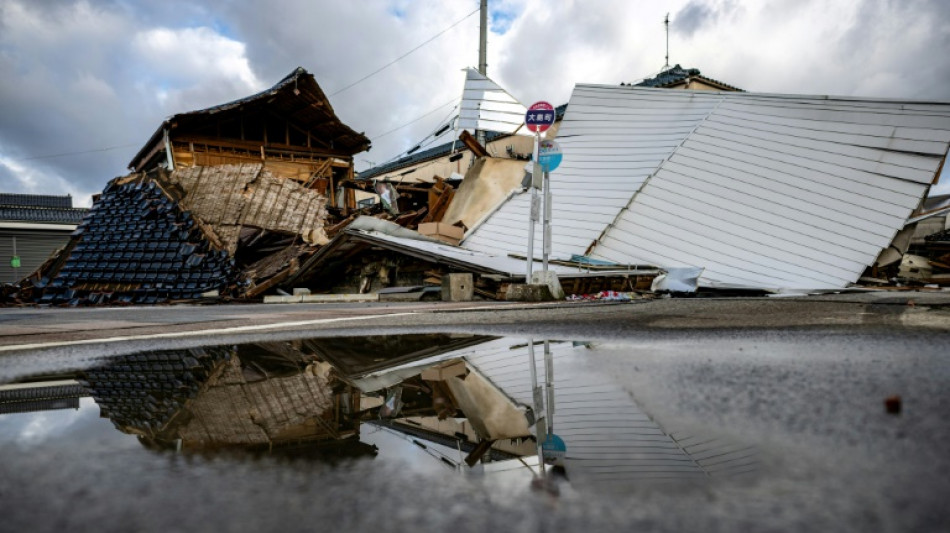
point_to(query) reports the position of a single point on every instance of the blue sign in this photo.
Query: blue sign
(540, 117)
(553, 448)
(549, 155)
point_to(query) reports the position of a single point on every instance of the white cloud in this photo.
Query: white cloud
(85, 74)
(193, 55)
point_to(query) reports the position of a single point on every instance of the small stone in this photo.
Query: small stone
(893, 404)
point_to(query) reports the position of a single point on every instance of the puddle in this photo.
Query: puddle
(437, 429)
(463, 404)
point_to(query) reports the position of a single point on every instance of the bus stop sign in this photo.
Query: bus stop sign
(540, 117)
(549, 155)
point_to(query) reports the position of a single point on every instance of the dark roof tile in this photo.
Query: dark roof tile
(43, 214)
(35, 200)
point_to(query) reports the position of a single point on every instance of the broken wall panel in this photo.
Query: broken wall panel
(250, 195)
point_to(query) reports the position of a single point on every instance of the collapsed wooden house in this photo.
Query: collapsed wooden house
(250, 397)
(220, 200)
(290, 128)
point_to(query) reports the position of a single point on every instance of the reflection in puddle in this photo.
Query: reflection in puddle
(474, 403)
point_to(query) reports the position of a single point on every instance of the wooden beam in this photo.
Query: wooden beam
(472, 144)
(255, 145)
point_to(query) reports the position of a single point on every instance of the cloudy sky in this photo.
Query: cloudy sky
(84, 83)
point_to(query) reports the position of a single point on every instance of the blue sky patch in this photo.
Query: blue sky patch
(500, 19)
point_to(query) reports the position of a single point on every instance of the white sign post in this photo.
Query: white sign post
(539, 117)
(549, 157)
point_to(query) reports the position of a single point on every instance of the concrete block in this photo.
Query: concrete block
(549, 278)
(300, 291)
(279, 299)
(339, 298)
(518, 292)
(458, 288)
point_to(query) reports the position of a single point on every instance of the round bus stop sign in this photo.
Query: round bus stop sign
(549, 155)
(540, 117)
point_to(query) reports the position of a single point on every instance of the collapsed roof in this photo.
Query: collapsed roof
(761, 190)
(297, 97)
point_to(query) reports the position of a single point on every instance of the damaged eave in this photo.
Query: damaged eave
(297, 96)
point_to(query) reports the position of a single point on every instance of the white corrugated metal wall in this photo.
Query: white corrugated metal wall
(610, 147)
(763, 191)
(783, 192)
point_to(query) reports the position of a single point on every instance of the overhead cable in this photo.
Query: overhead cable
(391, 63)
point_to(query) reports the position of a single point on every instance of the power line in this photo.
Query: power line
(387, 65)
(413, 121)
(64, 154)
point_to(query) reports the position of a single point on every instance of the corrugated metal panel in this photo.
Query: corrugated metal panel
(610, 148)
(782, 192)
(611, 442)
(33, 246)
(487, 107)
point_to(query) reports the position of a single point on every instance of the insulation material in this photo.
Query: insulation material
(492, 414)
(486, 185)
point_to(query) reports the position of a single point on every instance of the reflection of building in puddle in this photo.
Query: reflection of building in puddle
(287, 395)
(253, 396)
(42, 395)
(466, 392)
(611, 442)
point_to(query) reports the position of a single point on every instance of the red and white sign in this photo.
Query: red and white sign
(540, 117)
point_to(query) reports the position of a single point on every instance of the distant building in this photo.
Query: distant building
(684, 78)
(32, 227)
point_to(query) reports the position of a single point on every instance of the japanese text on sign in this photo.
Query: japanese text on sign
(540, 117)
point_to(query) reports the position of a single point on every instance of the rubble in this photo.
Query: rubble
(258, 196)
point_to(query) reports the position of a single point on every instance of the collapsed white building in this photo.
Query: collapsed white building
(761, 191)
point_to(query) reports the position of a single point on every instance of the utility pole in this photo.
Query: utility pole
(483, 39)
(482, 55)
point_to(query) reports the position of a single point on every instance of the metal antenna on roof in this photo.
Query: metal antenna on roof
(666, 22)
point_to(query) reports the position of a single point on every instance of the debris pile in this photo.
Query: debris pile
(136, 246)
(160, 237)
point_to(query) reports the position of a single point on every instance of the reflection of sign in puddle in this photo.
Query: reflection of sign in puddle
(470, 396)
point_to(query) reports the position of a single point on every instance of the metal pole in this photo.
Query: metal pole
(549, 385)
(546, 225)
(533, 212)
(540, 431)
(482, 57)
(483, 39)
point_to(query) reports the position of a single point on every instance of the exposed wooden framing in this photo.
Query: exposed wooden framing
(290, 124)
(255, 145)
(257, 290)
(151, 154)
(472, 144)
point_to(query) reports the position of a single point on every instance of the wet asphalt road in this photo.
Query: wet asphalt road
(803, 380)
